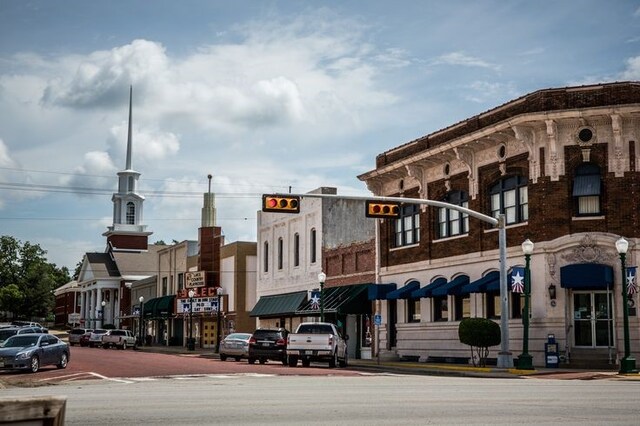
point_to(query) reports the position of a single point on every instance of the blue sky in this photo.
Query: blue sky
(263, 95)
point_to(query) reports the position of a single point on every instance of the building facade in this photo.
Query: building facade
(328, 236)
(561, 165)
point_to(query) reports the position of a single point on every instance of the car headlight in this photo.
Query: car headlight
(24, 355)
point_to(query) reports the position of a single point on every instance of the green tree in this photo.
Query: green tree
(25, 266)
(10, 297)
(480, 334)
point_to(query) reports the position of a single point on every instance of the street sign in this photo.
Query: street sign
(377, 319)
(195, 279)
(74, 318)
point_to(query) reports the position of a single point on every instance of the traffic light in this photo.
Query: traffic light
(384, 210)
(281, 203)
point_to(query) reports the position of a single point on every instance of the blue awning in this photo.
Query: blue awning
(428, 289)
(380, 291)
(586, 276)
(585, 185)
(452, 287)
(480, 285)
(404, 292)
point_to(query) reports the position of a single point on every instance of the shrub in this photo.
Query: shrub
(479, 334)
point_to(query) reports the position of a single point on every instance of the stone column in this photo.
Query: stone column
(98, 308)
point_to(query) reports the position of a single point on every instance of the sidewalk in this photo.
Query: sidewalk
(432, 369)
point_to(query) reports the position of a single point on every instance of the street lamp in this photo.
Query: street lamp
(218, 313)
(191, 346)
(322, 277)
(628, 363)
(140, 336)
(102, 313)
(525, 360)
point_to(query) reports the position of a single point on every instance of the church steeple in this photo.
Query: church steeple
(127, 231)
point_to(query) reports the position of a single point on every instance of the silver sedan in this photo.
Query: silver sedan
(235, 345)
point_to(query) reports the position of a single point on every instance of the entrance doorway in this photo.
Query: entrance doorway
(593, 319)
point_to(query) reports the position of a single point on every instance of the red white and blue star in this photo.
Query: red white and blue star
(517, 280)
(632, 288)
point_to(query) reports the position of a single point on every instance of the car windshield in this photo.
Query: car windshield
(21, 341)
(239, 336)
(99, 331)
(5, 334)
(77, 331)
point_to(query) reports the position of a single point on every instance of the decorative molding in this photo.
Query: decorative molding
(467, 157)
(617, 160)
(526, 136)
(589, 252)
(554, 162)
(418, 172)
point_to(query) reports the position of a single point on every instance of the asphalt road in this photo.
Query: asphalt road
(112, 364)
(378, 399)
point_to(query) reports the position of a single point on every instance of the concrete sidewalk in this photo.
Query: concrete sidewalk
(433, 369)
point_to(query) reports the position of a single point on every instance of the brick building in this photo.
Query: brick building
(561, 166)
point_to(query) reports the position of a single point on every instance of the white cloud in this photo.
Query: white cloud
(484, 91)
(5, 158)
(462, 59)
(632, 71)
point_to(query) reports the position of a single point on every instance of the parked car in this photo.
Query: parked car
(35, 325)
(268, 344)
(32, 351)
(120, 339)
(5, 333)
(317, 341)
(95, 338)
(76, 334)
(235, 345)
(84, 339)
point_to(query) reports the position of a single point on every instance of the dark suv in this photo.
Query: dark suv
(268, 343)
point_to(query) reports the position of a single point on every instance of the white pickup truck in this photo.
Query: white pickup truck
(121, 339)
(317, 341)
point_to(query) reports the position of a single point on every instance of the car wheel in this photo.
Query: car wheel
(64, 359)
(293, 361)
(306, 362)
(105, 346)
(124, 346)
(284, 360)
(333, 360)
(238, 358)
(35, 364)
(223, 357)
(345, 361)
(263, 361)
(252, 360)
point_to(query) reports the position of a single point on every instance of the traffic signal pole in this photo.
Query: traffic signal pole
(505, 357)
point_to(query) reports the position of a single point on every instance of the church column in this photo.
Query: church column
(90, 310)
(98, 309)
(116, 308)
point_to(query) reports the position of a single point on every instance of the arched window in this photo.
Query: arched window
(586, 189)
(452, 222)
(312, 245)
(265, 258)
(296, 249)
(407, 226)
(280, 253)
(131, 213)
(509, 196)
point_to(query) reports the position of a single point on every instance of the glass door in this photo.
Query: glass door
(592, 319)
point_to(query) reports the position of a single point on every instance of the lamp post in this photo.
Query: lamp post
(141, 325)
(628, 363)
(322, 277)
(103, 303)
(191, 346)
(525, 360)
(218, 313)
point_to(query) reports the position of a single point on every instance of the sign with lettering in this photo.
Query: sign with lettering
(201, 305)
(195, 279)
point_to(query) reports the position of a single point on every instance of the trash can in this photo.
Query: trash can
(191, 344)
(551, 357)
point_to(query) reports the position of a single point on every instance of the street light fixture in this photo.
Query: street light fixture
(140, 336)
(525, 360)
(322, 277)
(102, 313)
(628, 363)
(191, 346)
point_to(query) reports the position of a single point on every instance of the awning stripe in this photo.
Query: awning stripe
(279, 304)
(380, 291)
(452, 287)
(481, 285)
(404, 292)
(428, 289)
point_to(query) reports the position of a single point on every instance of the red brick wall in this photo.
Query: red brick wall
(352, 264)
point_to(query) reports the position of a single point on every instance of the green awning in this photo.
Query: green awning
(279, 305)
(149, 308)
(165, 306)
(347, 299)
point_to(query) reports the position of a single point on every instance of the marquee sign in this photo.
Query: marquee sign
(195, 279)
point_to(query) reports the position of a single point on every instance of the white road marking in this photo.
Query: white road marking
(61, 377)
(100, 376)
